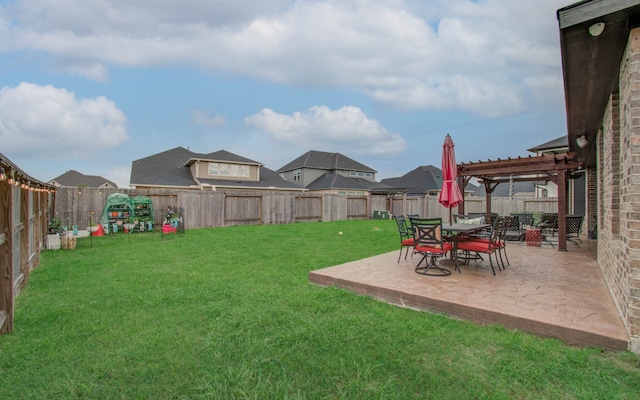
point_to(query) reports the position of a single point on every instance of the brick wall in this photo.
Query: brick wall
(630, 184)
(619, 192)
(591, 198)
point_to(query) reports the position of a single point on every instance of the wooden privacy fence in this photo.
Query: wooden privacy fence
(24, 211)
(223, 208)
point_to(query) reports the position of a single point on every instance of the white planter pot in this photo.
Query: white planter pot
(52, 241)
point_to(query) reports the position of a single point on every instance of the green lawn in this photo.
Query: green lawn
(229, 313)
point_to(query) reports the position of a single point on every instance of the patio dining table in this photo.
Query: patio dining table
(456, 230)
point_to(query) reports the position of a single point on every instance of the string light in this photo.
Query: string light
(11, 179)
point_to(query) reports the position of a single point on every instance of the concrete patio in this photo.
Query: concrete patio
(544, 292)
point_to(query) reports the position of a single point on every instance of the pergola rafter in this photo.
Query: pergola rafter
(554, 167)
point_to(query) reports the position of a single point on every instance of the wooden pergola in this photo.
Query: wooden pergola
(557, 168)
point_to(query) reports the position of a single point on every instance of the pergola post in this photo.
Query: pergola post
(561, 182)
(462, 183)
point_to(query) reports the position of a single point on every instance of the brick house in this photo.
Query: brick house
(600, 44)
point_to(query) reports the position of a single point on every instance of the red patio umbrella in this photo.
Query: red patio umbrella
(450, 195)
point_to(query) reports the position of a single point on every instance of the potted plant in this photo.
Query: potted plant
(53, 238)
(129, 224)
(92, 227)
(55, 225)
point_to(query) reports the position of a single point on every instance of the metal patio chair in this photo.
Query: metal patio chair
(430, 243)
(574, 227)
(406, 235)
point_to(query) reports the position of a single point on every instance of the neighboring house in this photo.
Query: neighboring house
(323, 171)
(600, 60)
(184, 169)
(576, 184)
(422, 180)
(555, 146)
(336, 183)
(75, 178)
(507, 189)
(425, 179)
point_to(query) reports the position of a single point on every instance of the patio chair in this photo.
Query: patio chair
(430, 243)
(472, 218)
(508, 222)
(406, 235)
(549, 223)
(490, 246)
(574, 227)
(525, 218)
(515, 230)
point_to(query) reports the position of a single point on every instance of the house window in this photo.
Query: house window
(233, 170)
(213, 168)
(221, 169)
(353, 173)
(297, 175)
(368, 174)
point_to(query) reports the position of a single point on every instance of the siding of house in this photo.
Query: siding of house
(619, 182)
(309, 175)
(200, 170)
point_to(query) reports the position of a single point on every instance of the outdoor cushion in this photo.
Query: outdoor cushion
(471, 221)
(446, 247)
(476, 245)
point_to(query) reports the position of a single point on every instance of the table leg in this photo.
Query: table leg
(455, 253)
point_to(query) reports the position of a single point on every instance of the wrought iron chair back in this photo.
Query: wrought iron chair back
(574, 227)
(525, 219)
(429, 234)
(549, 223)
(513, 229)
(430, 242)
(406, 235)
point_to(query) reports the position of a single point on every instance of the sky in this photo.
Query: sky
(94, 85)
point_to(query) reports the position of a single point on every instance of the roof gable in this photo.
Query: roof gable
(325, 161)
(561, 142)
(426, 178)
(334, 181)
(165, 169)
(223, 155)
(77, 179)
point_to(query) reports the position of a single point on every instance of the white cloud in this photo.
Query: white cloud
(54, 124)
(93, 71)
(347, 128)
(460, 54)
(201, 117)
(120, 175)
